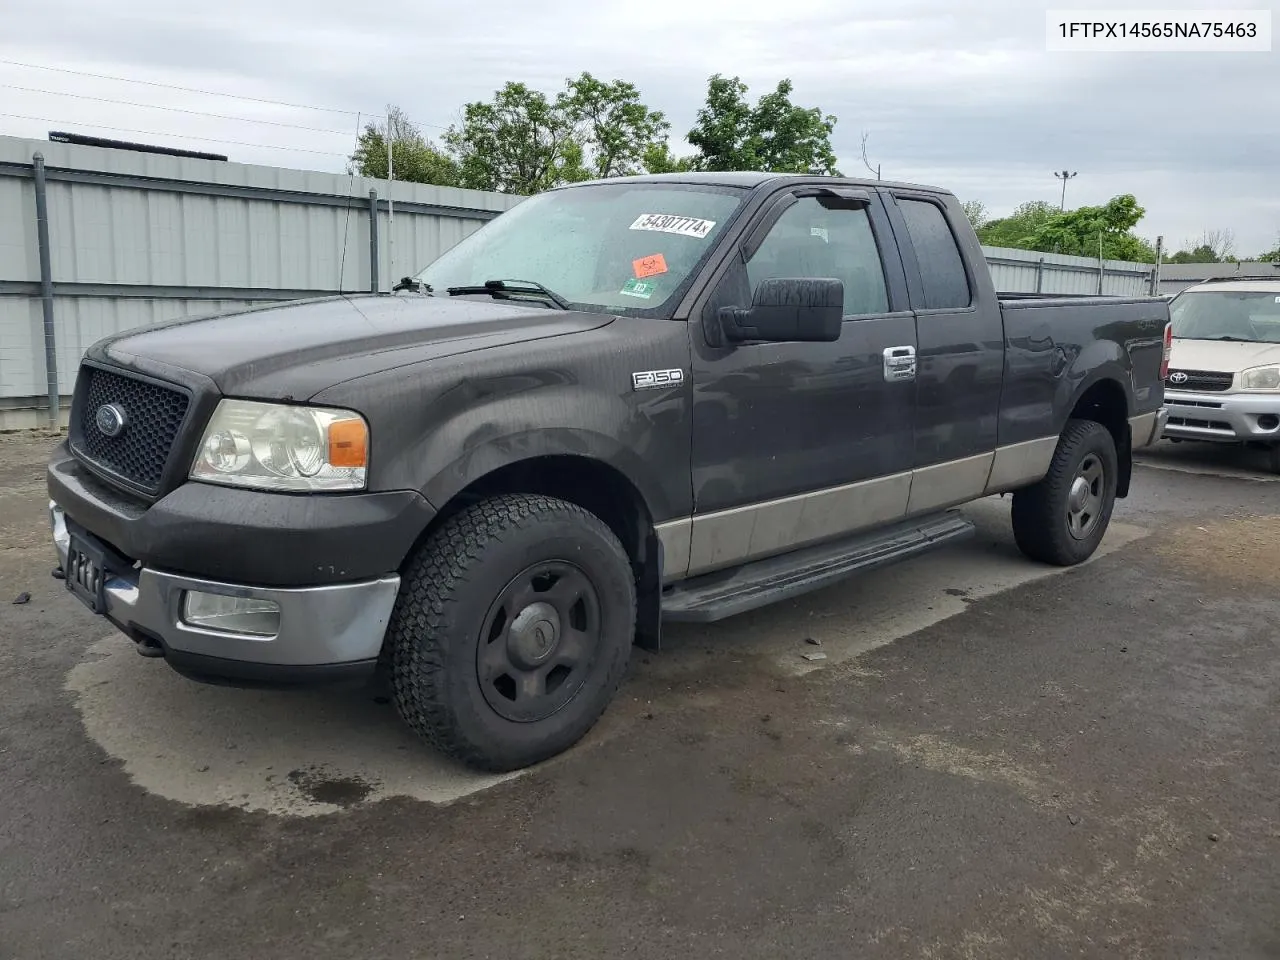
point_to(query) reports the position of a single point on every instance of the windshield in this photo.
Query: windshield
(1251, 315)
(621, 248)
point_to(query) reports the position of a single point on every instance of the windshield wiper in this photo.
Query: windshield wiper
(497, 288)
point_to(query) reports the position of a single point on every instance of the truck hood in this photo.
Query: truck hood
(292, 351)
(1221, 355)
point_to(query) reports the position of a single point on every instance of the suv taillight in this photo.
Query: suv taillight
(1168, 350)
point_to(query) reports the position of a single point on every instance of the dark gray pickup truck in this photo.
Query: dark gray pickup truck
(644, 399)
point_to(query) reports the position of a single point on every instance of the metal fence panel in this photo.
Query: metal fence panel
(1016, 271)
(81, 322)
(417, 241)
(139, 238)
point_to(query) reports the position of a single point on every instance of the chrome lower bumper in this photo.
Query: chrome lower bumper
(1228, 418)
(1144, 430)
(317, 626)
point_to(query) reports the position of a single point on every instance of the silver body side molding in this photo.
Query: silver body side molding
(707, 542)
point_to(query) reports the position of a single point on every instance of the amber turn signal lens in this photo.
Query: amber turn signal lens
(348, 443)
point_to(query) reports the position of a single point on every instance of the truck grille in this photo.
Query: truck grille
(154, 415)
(1205, 381)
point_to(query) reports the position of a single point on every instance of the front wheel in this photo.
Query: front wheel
(1062, 519)
(1273, 458)
(512, 630)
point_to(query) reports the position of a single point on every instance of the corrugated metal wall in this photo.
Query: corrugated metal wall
(139, 238)
(1026, 271)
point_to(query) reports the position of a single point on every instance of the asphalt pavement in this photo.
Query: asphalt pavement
(994, 760)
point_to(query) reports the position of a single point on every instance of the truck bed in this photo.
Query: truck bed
(1046, 336)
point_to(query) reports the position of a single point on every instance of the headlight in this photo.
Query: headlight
(273, 446)
(1260, 378)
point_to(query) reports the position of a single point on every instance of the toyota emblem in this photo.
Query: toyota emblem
(110, 420)
(1178, 377)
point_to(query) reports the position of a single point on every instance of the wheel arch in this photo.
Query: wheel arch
(1104, 400)
(601, 488)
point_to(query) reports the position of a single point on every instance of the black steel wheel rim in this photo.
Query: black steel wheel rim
(1085, 497)
(538, 641)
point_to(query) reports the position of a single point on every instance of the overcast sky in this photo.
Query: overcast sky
(958, 93)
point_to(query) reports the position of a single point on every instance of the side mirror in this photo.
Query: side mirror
(788, 309)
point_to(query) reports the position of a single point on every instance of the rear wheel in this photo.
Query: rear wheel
(1062, 519)
(1273, 458)
(512, 631)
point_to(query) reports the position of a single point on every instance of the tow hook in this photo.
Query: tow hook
(147, 647)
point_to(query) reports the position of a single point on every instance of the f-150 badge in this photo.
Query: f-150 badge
(647, 379)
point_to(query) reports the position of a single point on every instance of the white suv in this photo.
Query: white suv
(1223, 383)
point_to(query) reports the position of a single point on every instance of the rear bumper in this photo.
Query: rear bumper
(1144, 430)
(1227, 418)
(327, 632)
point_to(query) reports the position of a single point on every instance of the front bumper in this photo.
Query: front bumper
(1223, 417)
(236, 535)
(329, 632)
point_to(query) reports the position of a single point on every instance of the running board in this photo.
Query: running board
(716, 596)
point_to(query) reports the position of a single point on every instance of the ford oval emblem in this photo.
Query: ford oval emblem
(110, 420)
(1178, 377)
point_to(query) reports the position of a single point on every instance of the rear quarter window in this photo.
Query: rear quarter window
(942, 274)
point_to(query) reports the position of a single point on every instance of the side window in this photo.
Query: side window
(941, 266)
(812, 240)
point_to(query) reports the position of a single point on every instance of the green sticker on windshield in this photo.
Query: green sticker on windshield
(639, 288)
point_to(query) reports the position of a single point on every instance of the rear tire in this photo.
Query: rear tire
(1062, 519)
(512, 631)
(1273, 458)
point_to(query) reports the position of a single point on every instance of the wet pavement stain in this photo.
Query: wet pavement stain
(319, 787)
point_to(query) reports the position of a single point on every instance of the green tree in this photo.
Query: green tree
(415, 158)
(617, 131)
(524, 141)
(1272, 255)
(1040, 226)
(1017, 229)
(1200, 254)
(976, 212)
(658, 158)
(520, 142)
(775, 135)
(1214, 246)
(1094, 231)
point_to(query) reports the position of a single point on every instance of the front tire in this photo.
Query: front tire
(512, 631)
(1273, 458)
(1062, 519)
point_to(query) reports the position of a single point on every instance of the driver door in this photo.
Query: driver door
(794, 443)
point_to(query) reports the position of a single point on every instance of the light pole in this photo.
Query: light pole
(1064, 176)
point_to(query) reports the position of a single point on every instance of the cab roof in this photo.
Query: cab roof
(753, 179)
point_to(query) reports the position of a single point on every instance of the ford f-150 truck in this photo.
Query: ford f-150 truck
(620, 403)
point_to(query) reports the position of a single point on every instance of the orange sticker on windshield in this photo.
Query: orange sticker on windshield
(649, 266)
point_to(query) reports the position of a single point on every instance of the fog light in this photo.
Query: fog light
(212, 611)
(1268, 421)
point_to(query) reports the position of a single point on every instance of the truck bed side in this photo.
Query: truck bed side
(1058, 348)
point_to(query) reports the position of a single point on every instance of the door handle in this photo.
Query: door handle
(899, 363)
